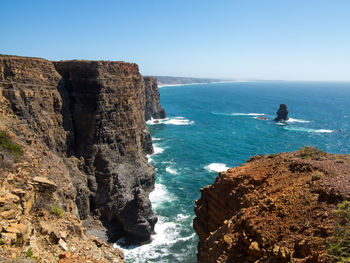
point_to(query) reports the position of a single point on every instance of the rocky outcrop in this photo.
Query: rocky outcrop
(153, 108)
(82, 123)
(276, 208)
(38, 215)
(105, 104)
(282, 113)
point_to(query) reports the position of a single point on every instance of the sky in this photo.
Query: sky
(230, 39)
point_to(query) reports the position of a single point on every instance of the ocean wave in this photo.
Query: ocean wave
(160, 196)
(187, 238)
(156, 139)
(309, 130)
(181, 217)
(297, 120)
(172, 121)
(171, 170)
(238, 114)
(324, 130)
(247, 114)
(156, 150)
(216, 167)
(166, 233)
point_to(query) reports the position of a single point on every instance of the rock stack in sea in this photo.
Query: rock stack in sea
(282, 113)
(274, 208)
(81, 127)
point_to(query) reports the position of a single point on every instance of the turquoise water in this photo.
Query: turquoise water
(213, 126)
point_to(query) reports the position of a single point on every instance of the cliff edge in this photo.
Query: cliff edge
(81, 129)
(275, 208)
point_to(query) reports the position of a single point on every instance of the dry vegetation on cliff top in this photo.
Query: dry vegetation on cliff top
(276, 208)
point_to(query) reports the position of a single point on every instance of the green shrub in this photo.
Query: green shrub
(1, 243)
(339, 246)
(56, 210)
(29, 253)
(272, 155)
(309, 152)
(6, 143)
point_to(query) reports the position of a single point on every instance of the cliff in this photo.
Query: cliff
(276, 208)
(82, 131)
(153, 108)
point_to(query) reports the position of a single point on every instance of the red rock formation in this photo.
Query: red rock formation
(275, 208)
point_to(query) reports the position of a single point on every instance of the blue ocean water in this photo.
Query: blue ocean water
(213, 126)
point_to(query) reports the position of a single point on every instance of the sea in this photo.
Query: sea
(212, 127)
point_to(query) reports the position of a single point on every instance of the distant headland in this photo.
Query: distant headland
(170, 81)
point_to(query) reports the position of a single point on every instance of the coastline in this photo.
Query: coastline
(198, 83)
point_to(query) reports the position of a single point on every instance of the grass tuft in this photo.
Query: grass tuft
(339, 246)
(7, 144)
(309, 152)
(56, 210)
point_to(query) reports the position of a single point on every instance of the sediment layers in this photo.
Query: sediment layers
(83, 123)
(276, 208)
(153, 108)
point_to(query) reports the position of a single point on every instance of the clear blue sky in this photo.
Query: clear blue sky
(264, 39)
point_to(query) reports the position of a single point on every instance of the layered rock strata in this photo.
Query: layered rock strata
(153, 108)
(81, 124)
(276, 208)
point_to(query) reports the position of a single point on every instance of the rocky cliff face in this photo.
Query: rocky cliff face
(153, 108)
(83, 123)
(276, 208)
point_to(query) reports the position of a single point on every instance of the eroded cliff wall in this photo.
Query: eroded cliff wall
(153, 108)
(276, 208)
(87, 118)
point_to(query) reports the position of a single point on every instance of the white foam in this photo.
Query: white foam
(297, 120)
(238, 114)
(160, 195)
(309, 130)
(172, 121)
(171, 170)
(186, 238)
(156, 139)
(181, 217)
(166, 233)
(216, 167)
(324, 130)
(247, 114)
(149, 158)
(154, 121)
(157, 150)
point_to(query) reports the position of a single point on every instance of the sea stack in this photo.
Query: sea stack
(282, 113)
